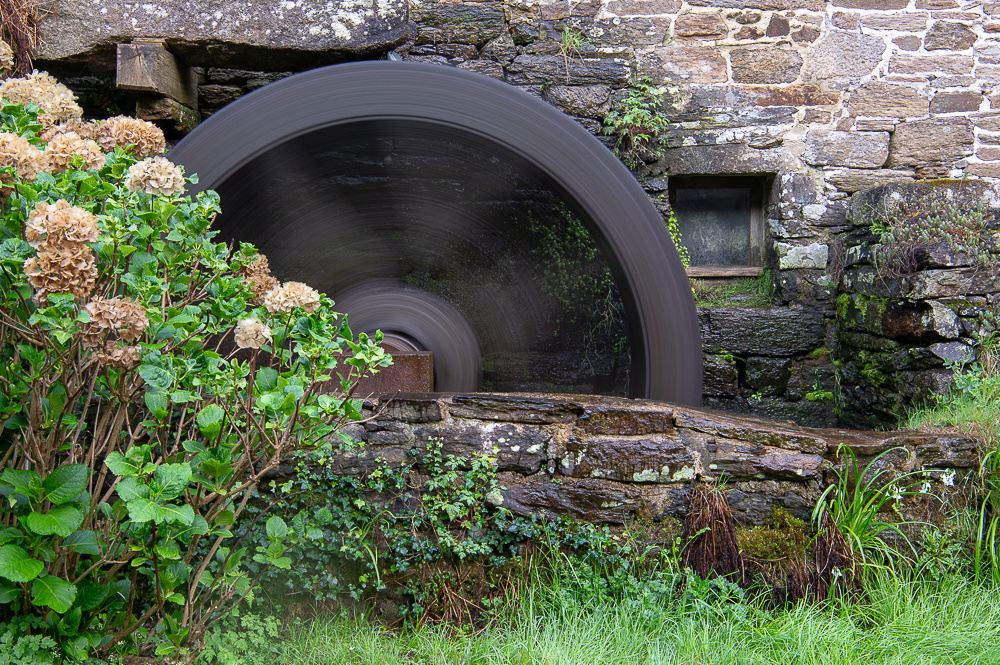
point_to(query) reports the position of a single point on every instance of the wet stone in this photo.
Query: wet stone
(457, 22)
(585, 101)
(648, 459)
(544, 70)
(514, 408)
(751, 501)
(520, 448)
(751, 430)
(365, 460)
(636, 420)
(588, 499)
(761, 332)
(743, 461)
(720, 376)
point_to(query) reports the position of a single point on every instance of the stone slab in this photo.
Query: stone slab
(773, 332)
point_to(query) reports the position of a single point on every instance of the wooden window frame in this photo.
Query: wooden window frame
(756, 184)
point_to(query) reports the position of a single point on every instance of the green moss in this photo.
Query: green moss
(821, 353)
(786, 537)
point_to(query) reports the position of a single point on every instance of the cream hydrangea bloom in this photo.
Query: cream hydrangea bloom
(26, 159)
(145, 138)
(155, 175)
(291, 295)
(64, 147)
(59, 223)
(57, 102)
(85, 129)
(258, 275)
(122, 357)
(67, 268)
(6, 56)
(251, 333)
(113, 318)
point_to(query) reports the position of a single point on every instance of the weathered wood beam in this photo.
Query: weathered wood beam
(147, 66)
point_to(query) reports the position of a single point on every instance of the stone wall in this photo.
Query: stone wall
(609, 460)
(821, 98)
(900, 326)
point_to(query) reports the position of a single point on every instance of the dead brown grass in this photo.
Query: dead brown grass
(19, 21)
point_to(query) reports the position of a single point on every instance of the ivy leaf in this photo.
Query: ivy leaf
(84, 542)
(60, 521)
(17, 565)
(65, 483)
(54, 592)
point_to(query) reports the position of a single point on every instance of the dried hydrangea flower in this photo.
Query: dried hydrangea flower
(291, 295)
(59, 223)
(145, 138)
(251, 333)
(6, 57)
(26, 159)
(57, 102)
(121, 357)
(113, 318)
(85, 129)
(63, 148)
(257, 273)
(68, 268)
(155, 175)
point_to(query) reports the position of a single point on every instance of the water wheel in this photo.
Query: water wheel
(459, 215)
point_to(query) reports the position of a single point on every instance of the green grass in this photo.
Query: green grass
(900, 623)
(738, 292)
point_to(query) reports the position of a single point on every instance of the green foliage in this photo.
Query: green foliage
(911, 228)
(243, 639)
(741, 291)
(856, 500)
(785, 537)
(675, 235)
(129, 455)
(638, 122)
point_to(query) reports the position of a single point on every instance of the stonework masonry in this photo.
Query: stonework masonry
(820, 98)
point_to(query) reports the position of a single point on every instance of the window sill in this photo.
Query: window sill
(724, 271)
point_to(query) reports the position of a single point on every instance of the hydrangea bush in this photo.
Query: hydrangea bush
(150, 378)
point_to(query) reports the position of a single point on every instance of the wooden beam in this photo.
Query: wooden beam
(147, 66)
(724, 271)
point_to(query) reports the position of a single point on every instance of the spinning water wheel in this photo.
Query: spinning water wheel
(425, 199)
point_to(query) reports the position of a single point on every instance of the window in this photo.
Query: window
(721, 220)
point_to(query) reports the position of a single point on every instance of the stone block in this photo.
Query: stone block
(794, 95)
(901, 21)
(778, 26)
(793, 257)
(748, 33)
(768, 376)
(514, 408)
(885, 100)
(751, 501)
(941, 65)
(687, 64)
(924, 142)
(765, 5)
(629, 419)
(168, 112)
(741, 462)
(269, 34)
(218, 95)
(989, 121)
(631, 459)
(749, 429)
(852, 149)
(883, 5)
(949, 36)
(841, 55)
(908, 43)
(520, 448)
(643, 7)
(593, 101)
(955, 102)
(632, 31)
(720, 377)
(806, 33)
(776, 332)
(542, 70)
(757, 66)
(588, 499)
(700, 26)
(501, 49)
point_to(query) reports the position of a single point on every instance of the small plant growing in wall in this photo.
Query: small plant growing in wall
(571, 43)
(637, 122)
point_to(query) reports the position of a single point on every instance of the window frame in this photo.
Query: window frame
(756, 185)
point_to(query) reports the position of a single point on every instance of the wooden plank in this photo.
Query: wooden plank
(147, 66)
(724, 271)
